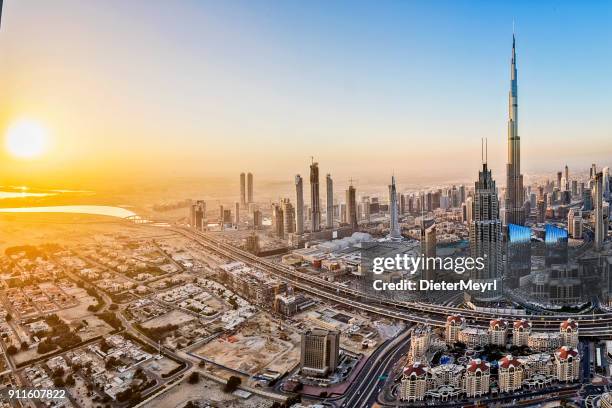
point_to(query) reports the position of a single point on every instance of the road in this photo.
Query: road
(596, 325)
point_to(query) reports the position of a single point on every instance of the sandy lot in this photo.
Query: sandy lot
(255, 347)
(206, 391)
(173, 317)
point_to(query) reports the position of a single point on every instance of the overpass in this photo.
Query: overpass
(596, 325)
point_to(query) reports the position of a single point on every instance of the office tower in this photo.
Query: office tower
(243, 190)
(198, 212)
(514, 183)
(519, 253)
(402, 204)
(299, 202)
(320, 351)
(485, 233)
(587, 199)
(574, 223)
(462, 193)
(574, 188)
(556, 250)
(278, 221)
(227, 217)
(329, 211)
(343, 217)
(221, 213)
(288, 216)
(567, 180)
(394, 228)
(257, 220)
(593, 171)
(428, 245)
(541, 210)
(351, 207)
(469, 210)
(559, 176)
(237, 215)
(606, 182)
(365, 205)
(598, 211)
(314, 198)
(250, 188)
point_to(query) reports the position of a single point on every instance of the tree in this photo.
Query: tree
(70, 382)
(8, 317)
(12, 350)
(194, 377)
(59, 372)
(58, 382)
(113, 306)
(232, 384)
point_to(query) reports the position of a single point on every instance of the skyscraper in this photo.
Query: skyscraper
(329, 211)
(598, 211)
(242, 190)
(514, 210)
(299, 202)
(485, 232)
(315, 222)
(288, 216)
(278, 221)
(351, 207)
(320, 350)
(567, 180)
(250, 187)
(237, 215)
(606, 182)
(394, 229)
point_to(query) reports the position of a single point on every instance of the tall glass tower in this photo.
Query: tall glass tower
(515, 213)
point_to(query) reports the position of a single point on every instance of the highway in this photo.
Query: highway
(596, 325)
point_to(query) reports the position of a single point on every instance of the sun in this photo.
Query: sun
(26, 139)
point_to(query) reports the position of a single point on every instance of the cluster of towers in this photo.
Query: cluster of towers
(314, 211)
(246, 189)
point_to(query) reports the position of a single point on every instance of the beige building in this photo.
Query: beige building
(454, 324)
(498, 332)
(320, 352)
(414, 382)
(477, 378)
(540, 363)
(474, 337)
(511, 374)
(544, 341)
(569, 333)
(448, 374)
(420, 341)
(567, 364)
(521, 329)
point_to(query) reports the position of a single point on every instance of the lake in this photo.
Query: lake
(111, 211)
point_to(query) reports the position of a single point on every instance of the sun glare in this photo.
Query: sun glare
(26, 139)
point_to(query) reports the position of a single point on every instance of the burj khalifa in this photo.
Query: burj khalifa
(514, 210)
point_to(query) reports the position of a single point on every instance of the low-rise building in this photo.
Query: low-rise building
(474, 337)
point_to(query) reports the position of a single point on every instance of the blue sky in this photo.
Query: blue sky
(366, 87)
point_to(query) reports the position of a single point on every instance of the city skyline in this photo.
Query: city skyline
(382, 95)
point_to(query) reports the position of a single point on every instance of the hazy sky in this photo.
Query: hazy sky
(212, 88)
